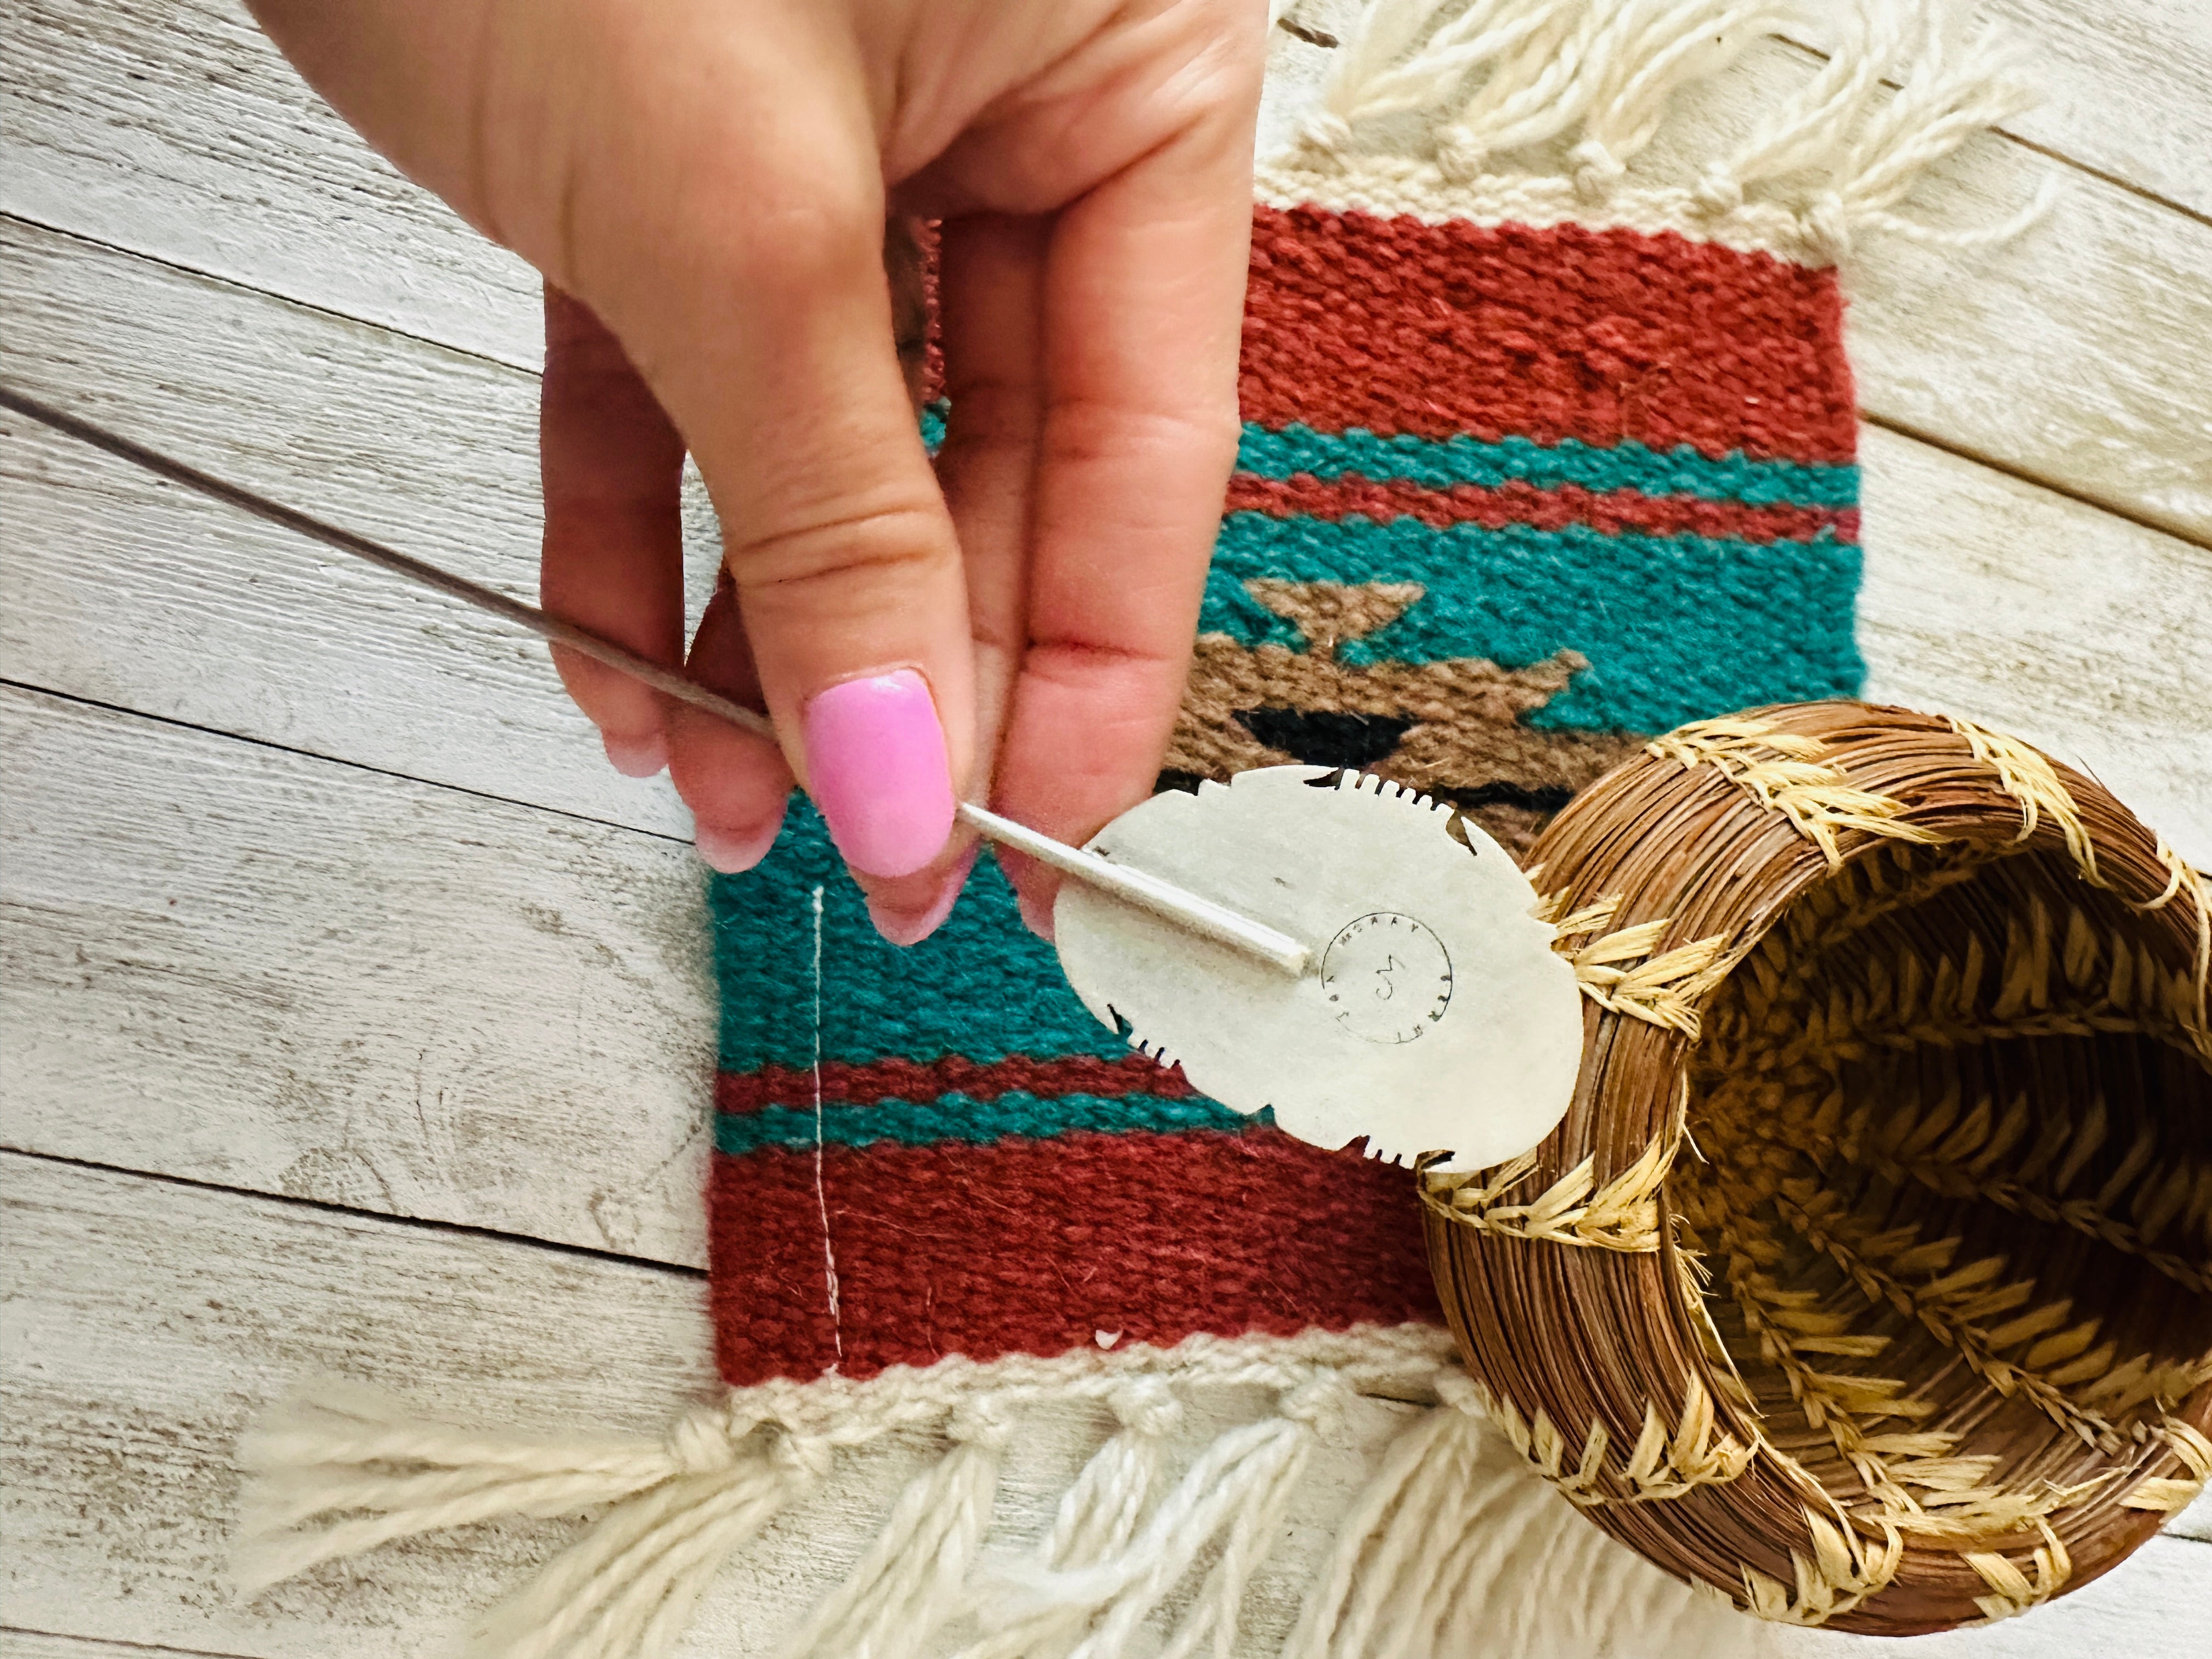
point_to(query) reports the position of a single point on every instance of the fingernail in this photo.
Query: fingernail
(1035, 912)
(734, 851)
(636, 758)
(905, 927)
(875, 766)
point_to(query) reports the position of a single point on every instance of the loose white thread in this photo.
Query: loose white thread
(821, 1189)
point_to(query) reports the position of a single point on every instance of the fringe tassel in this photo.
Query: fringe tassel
(626, 1589)
(913, 1579)
(1451, 1512)
(1096, 1520)
(1388, 1572)
(1235, 1496)
(1595, 78)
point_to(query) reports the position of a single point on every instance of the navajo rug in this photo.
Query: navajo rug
(1540, 457)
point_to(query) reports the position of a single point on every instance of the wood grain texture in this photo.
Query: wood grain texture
(2072, 354)
(129, 591)
(1992, 599)
(147, 1322)
(119, 590)
(179, 131)
(2157, 54)
(34, 1644)
(242, 966)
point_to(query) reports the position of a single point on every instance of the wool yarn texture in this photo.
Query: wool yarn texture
(1543, 454)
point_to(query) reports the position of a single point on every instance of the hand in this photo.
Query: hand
(709, 179)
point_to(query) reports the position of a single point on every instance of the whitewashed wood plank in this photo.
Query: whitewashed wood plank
(119, 588)
(2157, 1604)
(2076, 355)
(125, 590)
(2073, 355)
(1991, 599)
(147, 1322)
(33, 1644)
(238, 965)
(2092, 630)
(2081, 53)
(178, 131)
(2155, 54)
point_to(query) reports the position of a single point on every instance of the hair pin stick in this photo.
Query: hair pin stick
(1198, 915)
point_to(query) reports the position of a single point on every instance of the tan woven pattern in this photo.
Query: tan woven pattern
(1893, 1150)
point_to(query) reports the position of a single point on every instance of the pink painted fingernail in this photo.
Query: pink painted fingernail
(733, 850)
(904, 928)
(876, 767)
(635, 758)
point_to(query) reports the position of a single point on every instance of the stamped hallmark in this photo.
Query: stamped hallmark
(1387, 977)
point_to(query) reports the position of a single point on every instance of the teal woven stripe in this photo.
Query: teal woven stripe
(1626, 465)
(1676, 628)
(962, 1117)
(983, 987)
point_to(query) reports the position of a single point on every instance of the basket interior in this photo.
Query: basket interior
(1951, 1192)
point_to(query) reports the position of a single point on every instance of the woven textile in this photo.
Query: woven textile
(1539, 459)
(1508, 500)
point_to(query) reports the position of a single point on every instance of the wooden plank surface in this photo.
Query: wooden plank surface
(1984, 595)
(33, 1644)
(242, 966)
(128, 591)
(2072, 354)
(119, 1490)
(1990, 598)
(178, 131)
(375, 973)
(117, 1470)
(2125, 89)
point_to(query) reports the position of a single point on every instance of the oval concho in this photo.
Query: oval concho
(1435, 1017)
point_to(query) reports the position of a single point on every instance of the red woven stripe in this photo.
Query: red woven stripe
(1614, 512)
(925, 1080)
(1398, 327)
(1036, 1247)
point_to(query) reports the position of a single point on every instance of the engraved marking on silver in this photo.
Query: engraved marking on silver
(1388, 978)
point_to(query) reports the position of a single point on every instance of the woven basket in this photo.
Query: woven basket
(1867, 1279)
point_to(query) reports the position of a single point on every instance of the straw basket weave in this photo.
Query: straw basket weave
(1867, 1280)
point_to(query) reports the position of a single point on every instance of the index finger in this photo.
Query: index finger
(1143, 312)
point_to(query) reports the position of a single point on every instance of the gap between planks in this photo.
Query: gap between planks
(429, 1225)
(19, 1643)
(1998, 599)
(1949, 343)
(261, 742)
(2049, 149)
(2126, 511)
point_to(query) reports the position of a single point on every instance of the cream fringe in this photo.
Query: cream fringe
(1130, 1553)
(1535, 109)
